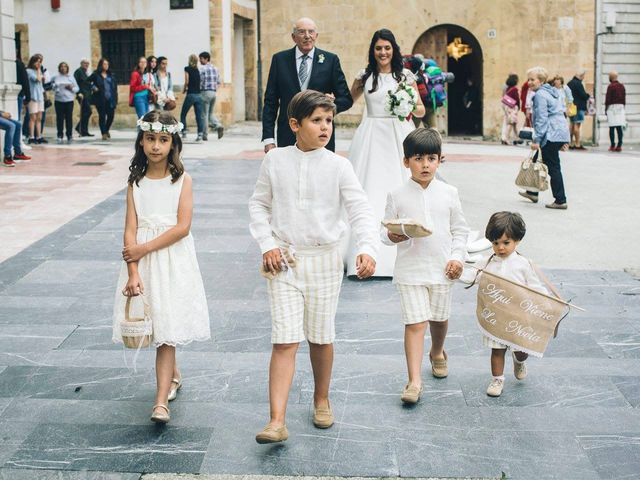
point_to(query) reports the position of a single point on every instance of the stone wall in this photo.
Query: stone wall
(619, 49)
(558, 35)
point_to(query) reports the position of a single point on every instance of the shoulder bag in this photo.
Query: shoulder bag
(533, 174)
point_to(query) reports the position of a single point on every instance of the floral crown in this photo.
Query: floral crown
(157, 127)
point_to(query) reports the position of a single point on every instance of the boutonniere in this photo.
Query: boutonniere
(321, 58)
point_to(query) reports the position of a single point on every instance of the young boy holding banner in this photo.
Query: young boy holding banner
(505, 230)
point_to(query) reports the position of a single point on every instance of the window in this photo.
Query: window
(180, 4)
(122, 48)
(18, 46)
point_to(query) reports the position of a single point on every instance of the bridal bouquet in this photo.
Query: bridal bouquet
(402, 102)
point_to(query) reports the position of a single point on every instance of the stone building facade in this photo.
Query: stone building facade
(618, 48)
(504, 35)
(129, 28)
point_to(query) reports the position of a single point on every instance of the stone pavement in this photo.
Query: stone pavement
(71, 408)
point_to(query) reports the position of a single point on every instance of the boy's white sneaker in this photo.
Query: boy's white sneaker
(519, 368)
(495, 387)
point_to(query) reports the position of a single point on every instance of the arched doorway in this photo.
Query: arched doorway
(455, 119)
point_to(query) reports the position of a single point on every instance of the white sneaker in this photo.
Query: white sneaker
(24, 146)
(519, 368)
(59, 141)
(495, 387)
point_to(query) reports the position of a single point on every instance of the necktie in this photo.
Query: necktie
(303, 73)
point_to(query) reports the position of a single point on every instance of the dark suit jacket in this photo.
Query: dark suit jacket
(283, 84)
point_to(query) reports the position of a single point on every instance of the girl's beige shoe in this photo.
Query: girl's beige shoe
(176, 384)
(160, 414)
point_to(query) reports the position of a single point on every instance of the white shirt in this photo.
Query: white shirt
(299, 55)
(299, 198)
(422, 261)
(514, 267)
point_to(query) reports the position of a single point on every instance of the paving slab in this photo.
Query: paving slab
(72, 406)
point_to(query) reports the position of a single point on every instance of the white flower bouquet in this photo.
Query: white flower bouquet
(401, 102)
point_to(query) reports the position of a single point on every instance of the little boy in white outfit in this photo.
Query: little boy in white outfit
(425, 267)
(296, 208)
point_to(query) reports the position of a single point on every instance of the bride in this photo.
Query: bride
(376, 149)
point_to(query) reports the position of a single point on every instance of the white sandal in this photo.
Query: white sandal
(176, 384)
(159, 417)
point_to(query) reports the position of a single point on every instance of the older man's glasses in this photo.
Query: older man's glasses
(302, 32)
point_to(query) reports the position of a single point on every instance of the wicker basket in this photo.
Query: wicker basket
(137, 332)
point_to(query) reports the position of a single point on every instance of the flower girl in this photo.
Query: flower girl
(159, 252)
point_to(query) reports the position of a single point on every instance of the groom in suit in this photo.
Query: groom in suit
(300, 68)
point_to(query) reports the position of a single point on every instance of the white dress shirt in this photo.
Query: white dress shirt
(299, 199)
(422, 261)
(299, 55)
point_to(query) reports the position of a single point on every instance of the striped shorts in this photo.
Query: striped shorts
(304, 299)
(424, 302)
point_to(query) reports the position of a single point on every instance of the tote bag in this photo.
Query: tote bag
(533, 175)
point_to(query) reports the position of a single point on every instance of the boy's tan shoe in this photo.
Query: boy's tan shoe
(411, 394)
(495, 387)
(271, 434)
(439, 367)
(323, 416)
(519, 368)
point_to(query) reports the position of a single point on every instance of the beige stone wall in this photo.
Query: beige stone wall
(527, 35)
(224, 98)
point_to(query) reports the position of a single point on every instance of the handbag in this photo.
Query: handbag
(137, 332)
(169, 104)
(533, 174)
(509, 101)
(526, 133)
(572, 110)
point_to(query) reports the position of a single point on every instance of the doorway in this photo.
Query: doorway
(463, 112)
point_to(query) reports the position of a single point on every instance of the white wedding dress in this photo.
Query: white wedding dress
(376, 155)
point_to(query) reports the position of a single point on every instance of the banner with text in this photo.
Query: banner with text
(517, 316)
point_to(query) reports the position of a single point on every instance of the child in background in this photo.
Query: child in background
(296, 214)
(425, 267)
(159, 252)
(505, 230)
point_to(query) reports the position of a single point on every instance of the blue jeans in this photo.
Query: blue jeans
(12, 131)
(141, 104)
(192, 100)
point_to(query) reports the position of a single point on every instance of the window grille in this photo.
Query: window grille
(122, 48)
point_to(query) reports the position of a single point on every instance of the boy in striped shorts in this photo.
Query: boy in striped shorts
(425, 267)
(296, 218)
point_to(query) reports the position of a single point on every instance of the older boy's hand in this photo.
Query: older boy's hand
(453, 269)
(272, 260)
(397, 237)
(365, 266)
